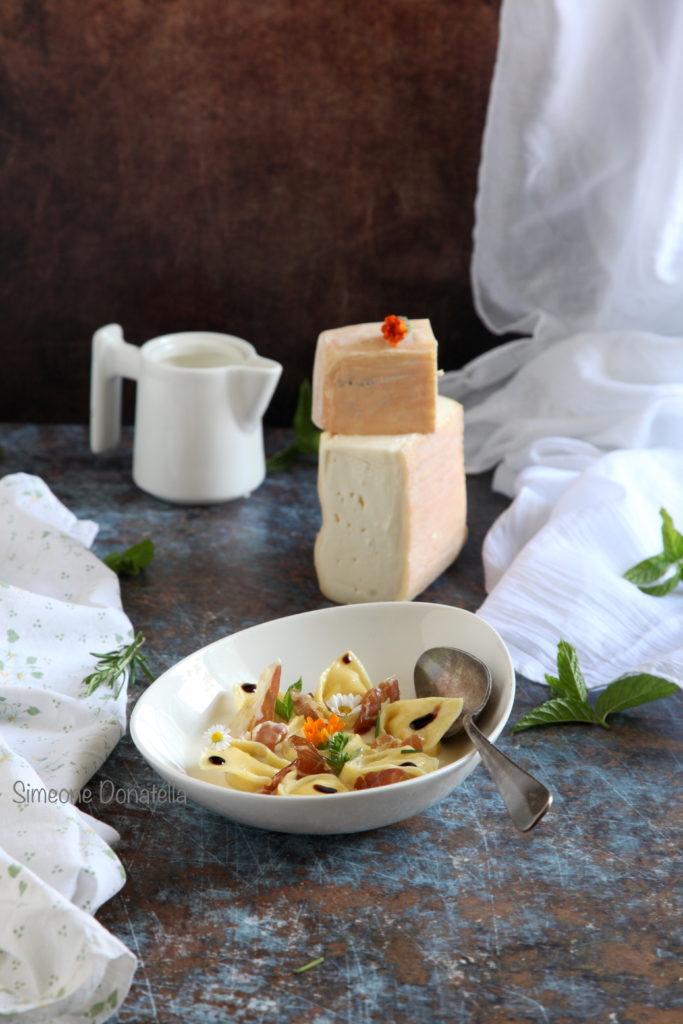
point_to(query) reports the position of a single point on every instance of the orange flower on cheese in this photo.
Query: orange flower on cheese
(394, 329)
(318, 731)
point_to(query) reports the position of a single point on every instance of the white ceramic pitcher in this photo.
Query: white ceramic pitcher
(200, 400)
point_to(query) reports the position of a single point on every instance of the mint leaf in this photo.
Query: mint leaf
(554, 712)
(569, 701)
(284, 706)
(666, 586)
(570, 682)
(282, 459)
(645, 574)
(131, 561)
(629, 692)
(671, 538)
(306, 433)
(649, 570)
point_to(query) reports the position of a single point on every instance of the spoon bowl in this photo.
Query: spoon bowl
(451, 672)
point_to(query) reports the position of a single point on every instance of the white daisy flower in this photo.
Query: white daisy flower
(217, 737)
(343, 704)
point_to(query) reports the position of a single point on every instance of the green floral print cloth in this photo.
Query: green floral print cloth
(58, 603)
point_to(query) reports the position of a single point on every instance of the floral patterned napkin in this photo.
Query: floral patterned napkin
(58, 603)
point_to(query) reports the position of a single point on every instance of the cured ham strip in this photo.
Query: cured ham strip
(382, 777)
(269, 733)
(261, 707)
(371, 704)
(309, 761)
(306, 704)
(272, 689)
(272, 785)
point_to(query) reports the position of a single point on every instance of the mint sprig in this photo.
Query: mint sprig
(284, 706)
(131, 561)
(306, 433)
(569, 701)
(661, 573)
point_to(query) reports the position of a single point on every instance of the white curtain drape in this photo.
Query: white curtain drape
(580, 205)
(578, 248)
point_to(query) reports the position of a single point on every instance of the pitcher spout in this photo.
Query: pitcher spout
(250, 389)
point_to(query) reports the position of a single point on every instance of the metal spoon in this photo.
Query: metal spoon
(449, 672)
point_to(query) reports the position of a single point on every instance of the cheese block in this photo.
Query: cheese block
(393, 510)
(364, 385)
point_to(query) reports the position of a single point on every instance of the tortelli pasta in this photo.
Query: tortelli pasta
(346, 735)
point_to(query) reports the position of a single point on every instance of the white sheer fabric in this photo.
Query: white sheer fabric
(579, 245)
(580, 205)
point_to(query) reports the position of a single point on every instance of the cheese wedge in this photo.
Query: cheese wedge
(364, 385)
(393, 510)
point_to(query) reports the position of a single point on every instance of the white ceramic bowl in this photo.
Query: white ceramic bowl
(169, 719)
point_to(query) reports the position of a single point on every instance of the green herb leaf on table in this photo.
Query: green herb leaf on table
(131, 561)
(555, 712)
(570, 704)
(307, 434)
(629, 692)
(284, 706)
(112, 666)
(283, 459)
(569, 681)
(661, 573)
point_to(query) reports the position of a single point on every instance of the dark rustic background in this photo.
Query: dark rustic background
(268, 168)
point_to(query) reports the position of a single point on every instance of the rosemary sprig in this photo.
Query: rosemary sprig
(311, 963)
(111, 667)
(335, 752)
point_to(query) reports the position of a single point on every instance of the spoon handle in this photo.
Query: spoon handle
(525, 797)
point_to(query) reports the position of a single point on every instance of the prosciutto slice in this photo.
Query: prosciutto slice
(269, 733)
(261, 707)
(371, 705)
(381, 777)
(309, 760)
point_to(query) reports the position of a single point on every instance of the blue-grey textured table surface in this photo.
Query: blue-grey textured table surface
(451, 916)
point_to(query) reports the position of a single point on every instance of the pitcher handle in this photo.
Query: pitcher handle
(112, 359)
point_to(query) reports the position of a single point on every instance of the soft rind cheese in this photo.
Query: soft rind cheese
(393, 508)
(364, 385)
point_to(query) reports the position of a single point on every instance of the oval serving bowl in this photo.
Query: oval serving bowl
(170, 718)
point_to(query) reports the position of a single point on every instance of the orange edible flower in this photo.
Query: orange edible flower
(394, 329)
(318, 731)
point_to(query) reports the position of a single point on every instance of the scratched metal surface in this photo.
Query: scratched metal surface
(450, 916)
